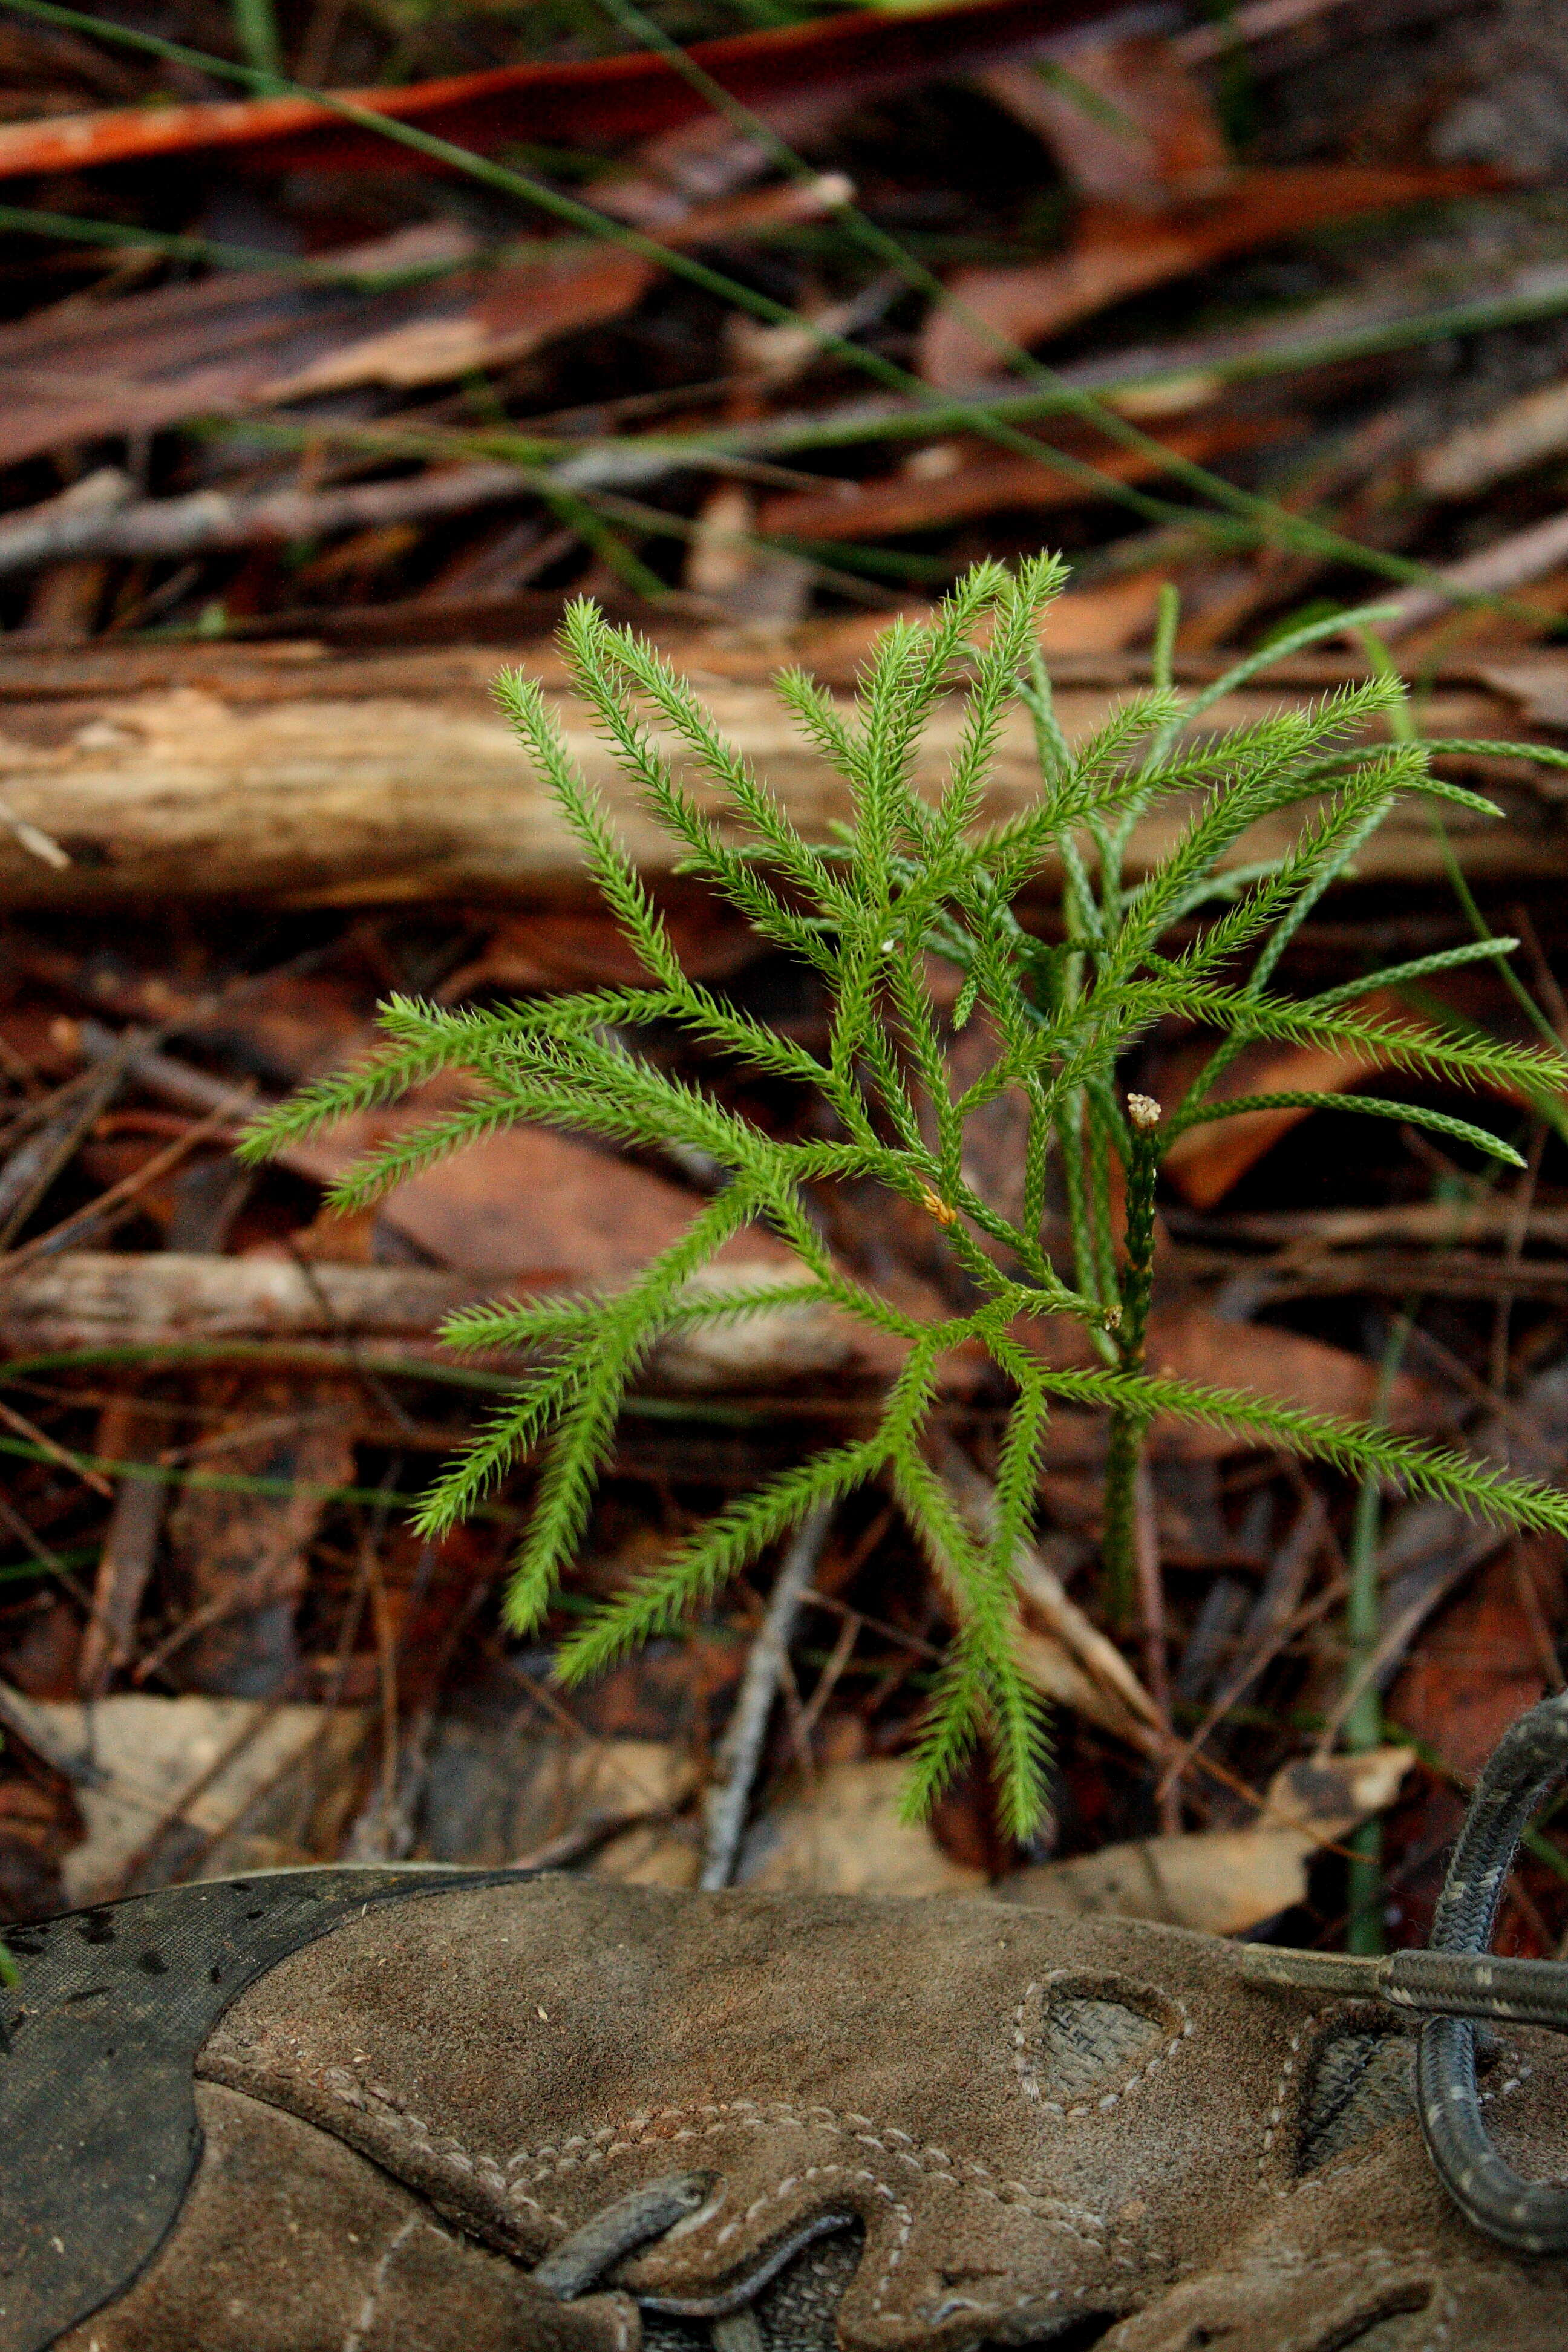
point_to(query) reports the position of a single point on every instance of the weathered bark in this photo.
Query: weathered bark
(164, 1301)
(273, 772)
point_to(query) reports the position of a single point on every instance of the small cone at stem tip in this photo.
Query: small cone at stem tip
(934, 1205)
(1143, 1111)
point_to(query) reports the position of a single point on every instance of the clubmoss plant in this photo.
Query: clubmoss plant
(909, 878)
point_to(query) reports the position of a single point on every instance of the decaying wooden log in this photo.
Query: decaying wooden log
(165, 1301)
(276, 772)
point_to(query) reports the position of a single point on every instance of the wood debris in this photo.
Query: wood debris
(308, 434)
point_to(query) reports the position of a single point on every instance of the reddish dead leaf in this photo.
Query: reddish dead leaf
(495, 317)
(243, 341)
(1189, 1343)
(921, 499)
(293, 1025)
(527, 1204)
(512, 313)
(964, 1822)
(1122, 250)
(1133, 124)
(606, 101)
(240, 1558)
(39, 1649)
(431, 1592)
(1485, 1659)
(148, 359)
(38, 1824)
(1205, 1162)
(568, 948)
(1105, 617)
(671, 1690)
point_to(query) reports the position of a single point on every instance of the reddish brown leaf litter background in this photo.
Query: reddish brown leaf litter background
(304, 435)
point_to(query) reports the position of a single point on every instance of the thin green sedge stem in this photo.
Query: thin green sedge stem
(71, 228)
(1276, 522)
(579, 515)
(1402, 725)
(874, 420)
(255, 30)
(1363, 1726)
(1263, 519)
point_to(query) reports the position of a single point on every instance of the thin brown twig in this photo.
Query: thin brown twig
(43, 1555)
(1297, 1623)
(20, 1426)
(829, 1679)
(386, 1669)
(913, 1642)
(1523, 1203)
(740, 1753)
(1535, 1618)
(543, 1696)
(119, 1198)
(1543, 977)
(1152, 1615)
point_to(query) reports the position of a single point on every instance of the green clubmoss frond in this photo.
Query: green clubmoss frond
(922, 881)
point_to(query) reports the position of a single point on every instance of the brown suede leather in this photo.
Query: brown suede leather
(290, 2243)
(1042, 2126)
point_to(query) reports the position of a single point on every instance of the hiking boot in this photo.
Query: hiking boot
(409, 2111)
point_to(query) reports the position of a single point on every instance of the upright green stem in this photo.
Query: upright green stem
(1364, 1627)
(1124, 1455)
(256, 30)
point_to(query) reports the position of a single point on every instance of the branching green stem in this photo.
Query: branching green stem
(914, 875)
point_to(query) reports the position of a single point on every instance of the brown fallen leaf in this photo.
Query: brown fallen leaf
(577, 947)
(246, 340)
(500, 1784)
(1105, 617)
(1051, 1667)
(1486, 1658)
(1534, 613)
(573, 1780)
(1222, 1881)
(653, 1853)
(1538, 687)
(239, 1559)
(1117, 250)
(497, 317)
(513, 312)
(525, 1203)
(1061, 1650)
(188, 1772)
(1191, 1343)
(1520, 433)
(1127, 121)
(845, 1837)
(922, 499)
(1208, 1161)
